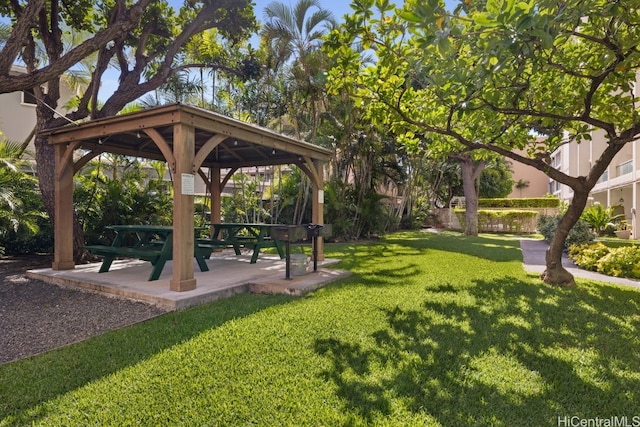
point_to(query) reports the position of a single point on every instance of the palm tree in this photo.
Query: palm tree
(293, 37)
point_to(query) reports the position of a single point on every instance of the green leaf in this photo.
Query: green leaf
(483, 20)
(444, 46)
(410, 16)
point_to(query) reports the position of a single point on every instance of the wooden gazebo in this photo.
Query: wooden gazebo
(188, 139)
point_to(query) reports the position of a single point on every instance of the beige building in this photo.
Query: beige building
(529, 181)
(619, 185)
(17, 110)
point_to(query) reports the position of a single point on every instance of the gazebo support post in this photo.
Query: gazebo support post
(63, 214)
(317, 207)
(183, 219)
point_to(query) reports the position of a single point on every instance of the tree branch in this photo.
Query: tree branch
(125, 23)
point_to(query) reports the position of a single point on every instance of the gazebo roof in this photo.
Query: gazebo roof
(237, 144)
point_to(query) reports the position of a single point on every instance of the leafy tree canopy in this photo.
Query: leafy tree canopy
(497, 75)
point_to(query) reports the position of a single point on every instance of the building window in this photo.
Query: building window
(29, 97)
(604, 177)
(625, 168)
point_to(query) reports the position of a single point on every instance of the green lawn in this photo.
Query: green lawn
(429, 330)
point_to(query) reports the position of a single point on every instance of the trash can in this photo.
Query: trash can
(298, 264)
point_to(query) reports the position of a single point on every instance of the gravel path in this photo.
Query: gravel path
(36, 317)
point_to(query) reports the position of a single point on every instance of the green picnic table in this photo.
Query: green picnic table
(238, 235)
(153, 243)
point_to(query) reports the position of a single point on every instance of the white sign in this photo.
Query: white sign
(320, 196)
(188, 184)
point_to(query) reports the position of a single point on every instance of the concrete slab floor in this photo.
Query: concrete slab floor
(228, 275)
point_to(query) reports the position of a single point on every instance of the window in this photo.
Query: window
(625, 168)
(29, 97)
(604, 177)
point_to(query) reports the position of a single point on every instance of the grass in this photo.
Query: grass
(429, 330)
(614, 242)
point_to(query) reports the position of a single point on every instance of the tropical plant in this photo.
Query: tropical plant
(121, 190)
(293, 36)
(21, 210)
(245, 204)
(599, 217)
(522, 184)
(495, 180)
(579, 234)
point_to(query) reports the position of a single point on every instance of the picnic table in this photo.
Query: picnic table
(238, 235)
(153, 243)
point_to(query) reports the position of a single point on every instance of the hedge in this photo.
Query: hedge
(513, 221)
(537, 202)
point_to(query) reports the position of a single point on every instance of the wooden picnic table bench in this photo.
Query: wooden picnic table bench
(153, 243)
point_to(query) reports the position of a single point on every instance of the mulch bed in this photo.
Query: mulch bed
(36, 316)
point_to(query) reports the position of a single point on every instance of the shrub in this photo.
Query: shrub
(539, 202)
(599, 217)
(579, 234)
(512, 221)
(621, 262)
(587, 255)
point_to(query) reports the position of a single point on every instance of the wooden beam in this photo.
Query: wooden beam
(164, 147)
(207, 148)
(79, 164)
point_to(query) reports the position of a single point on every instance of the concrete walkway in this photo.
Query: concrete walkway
(533, 255)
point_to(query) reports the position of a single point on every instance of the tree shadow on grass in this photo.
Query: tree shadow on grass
(504, 352)
(28, 382)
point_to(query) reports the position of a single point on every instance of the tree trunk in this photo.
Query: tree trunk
(555, 273)
(45, 162)
(469, 175)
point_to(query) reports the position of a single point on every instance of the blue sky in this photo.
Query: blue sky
(338, 7)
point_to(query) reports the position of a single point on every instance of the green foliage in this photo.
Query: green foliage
(508, 221)
(430, 330)
(579, 234)
(24, 227)
(496, 179)
(623, 261)
(338, 209)
(351, 216)
(120, 190)
(539, 202)
(587, 255)
(599, 217)
(497, 76)
(245, 204)
(291, 191)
